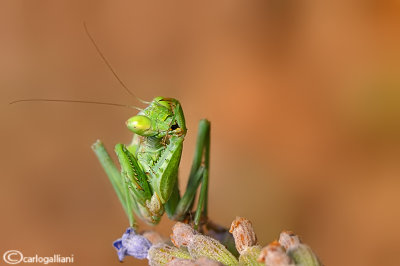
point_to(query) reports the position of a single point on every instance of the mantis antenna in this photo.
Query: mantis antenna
(93, 102)
(109, 65)
(76, 101)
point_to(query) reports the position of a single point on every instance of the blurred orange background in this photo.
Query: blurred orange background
(303, 97)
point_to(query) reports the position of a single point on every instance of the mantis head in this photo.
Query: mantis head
(164, 116)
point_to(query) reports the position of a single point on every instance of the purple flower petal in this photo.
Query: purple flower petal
(131, 244)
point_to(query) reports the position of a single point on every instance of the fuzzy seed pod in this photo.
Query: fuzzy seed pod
(198, 262)
(243, 232)
(201, 246)
(162, 254)
(182, 234)
(207, 262)
(221, 234)
(288, 239)
(303, 255)
(274, 255)
(182, 262)
(204, 246)
(250, 255)
(300, 253)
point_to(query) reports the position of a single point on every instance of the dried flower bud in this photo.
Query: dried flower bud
(300, 253)
(131, 244)
(250, 255)
(288, 239)
(243, 232)
(274, 255)
(303, 255)
(182, 262)
(207, 262)
(182, 234)
(161, 254)
(201, 246)
(221, 234)
(198, 262)
(204, 246)
(154, 237)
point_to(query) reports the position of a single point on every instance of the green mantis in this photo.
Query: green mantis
(147, 184)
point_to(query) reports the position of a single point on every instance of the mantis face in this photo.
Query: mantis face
(162, 117)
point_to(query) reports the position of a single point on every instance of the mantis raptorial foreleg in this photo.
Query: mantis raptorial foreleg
(133, 188)
(114, 175)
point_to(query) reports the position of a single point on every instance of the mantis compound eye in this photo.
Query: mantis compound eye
(139, 124)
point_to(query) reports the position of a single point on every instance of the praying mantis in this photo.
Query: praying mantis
(147, 184)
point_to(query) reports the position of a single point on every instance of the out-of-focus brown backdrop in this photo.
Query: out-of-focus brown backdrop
(303, 97)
